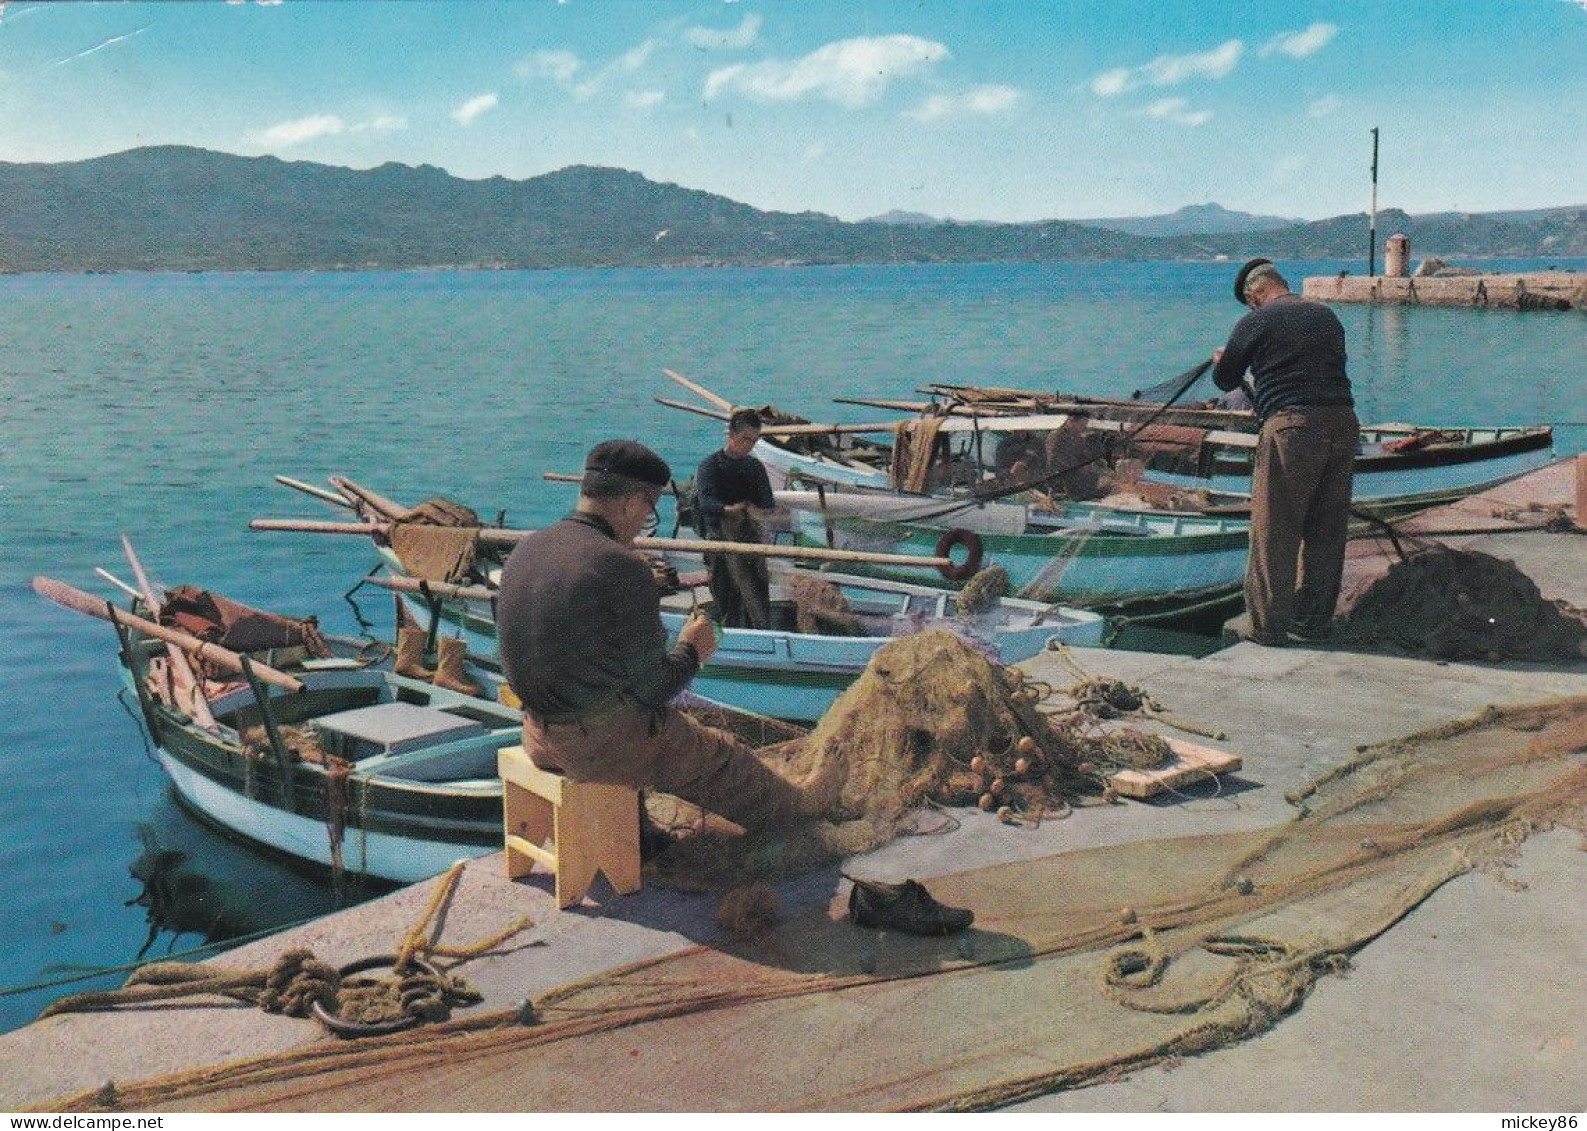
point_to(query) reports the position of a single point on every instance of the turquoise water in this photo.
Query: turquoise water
(161, 406)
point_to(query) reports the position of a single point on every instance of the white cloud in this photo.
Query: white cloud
(989, 99)
(643, 99)
(1166, 70)
(1327, 104)
(304, 129)
(300, 130)
(634, 58)
(558, 66)
(1175, 110)
(561, 67)
(385, 124)
(1299, 44)
(737, 39)
(1109, 83)
(474, 107)
(1170, 70)
(850, 72)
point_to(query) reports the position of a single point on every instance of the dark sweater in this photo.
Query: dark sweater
(1295, 350)
(579, 627)
(724, 480)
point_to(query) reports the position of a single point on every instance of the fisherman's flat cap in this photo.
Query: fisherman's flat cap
(629, 458)
(1245, 273)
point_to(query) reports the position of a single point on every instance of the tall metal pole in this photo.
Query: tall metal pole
(1372, 222)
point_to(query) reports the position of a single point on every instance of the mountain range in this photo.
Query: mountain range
(177, 208)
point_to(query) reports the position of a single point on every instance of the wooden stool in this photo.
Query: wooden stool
(592, 827)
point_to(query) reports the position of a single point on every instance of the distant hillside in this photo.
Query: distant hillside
(1536, 234)
(173, 208)
(1192, 220)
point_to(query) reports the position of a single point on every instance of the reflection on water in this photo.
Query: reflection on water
(181, 900)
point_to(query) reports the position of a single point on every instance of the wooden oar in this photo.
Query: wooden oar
(439, 588)
(700, 391)
(496, 536)
(316, 526)
(377, 502)
(694, 408)
(117, 582)
(70, 597)
(318, 492)
(186, 683)
(787, 429)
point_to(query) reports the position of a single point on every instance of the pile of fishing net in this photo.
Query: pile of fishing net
(931, 722)
(1464, 605)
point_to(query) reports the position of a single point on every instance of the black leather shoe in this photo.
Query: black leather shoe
(904, 907)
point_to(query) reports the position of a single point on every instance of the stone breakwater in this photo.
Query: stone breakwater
(1533, 290)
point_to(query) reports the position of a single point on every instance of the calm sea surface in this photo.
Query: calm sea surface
(160, 407)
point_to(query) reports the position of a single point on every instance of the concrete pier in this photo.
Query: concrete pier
(1473, 1002)
(1535, 290)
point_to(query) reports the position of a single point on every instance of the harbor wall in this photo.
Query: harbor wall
(1535, 290)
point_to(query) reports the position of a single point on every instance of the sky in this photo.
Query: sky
(965, 109)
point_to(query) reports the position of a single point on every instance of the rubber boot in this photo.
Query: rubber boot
(449, 672)
(410, 654)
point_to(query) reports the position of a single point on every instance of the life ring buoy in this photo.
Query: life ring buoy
(952, 539)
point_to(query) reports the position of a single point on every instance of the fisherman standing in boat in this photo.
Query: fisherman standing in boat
(1294, 350)
(732, 492)
(583, 647)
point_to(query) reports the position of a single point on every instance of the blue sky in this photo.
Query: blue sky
(975, 110)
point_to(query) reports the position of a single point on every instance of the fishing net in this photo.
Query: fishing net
(1464, 605)
(931, 722)
(983, 591)
(1081, 966)
(820, 608)
(914, 450)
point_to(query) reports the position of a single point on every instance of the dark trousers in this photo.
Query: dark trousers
(1300, 509)
(711, 768)
(740, 584)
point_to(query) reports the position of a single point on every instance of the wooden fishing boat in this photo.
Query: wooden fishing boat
(1400, 467)
(1081, 554)
(828, 626)
(782, 672)
(321, 752)
(1130, 559)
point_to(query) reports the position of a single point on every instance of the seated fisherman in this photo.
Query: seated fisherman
(582, 645)
(732, 490)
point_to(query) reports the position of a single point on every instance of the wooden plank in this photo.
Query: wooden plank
(1191, 764)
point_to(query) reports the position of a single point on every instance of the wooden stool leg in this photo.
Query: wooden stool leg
(619, 816)
(597, 831)
(527, 815)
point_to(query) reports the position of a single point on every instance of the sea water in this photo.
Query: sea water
(160, 407)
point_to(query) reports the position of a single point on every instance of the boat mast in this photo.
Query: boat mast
(1372, 221)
